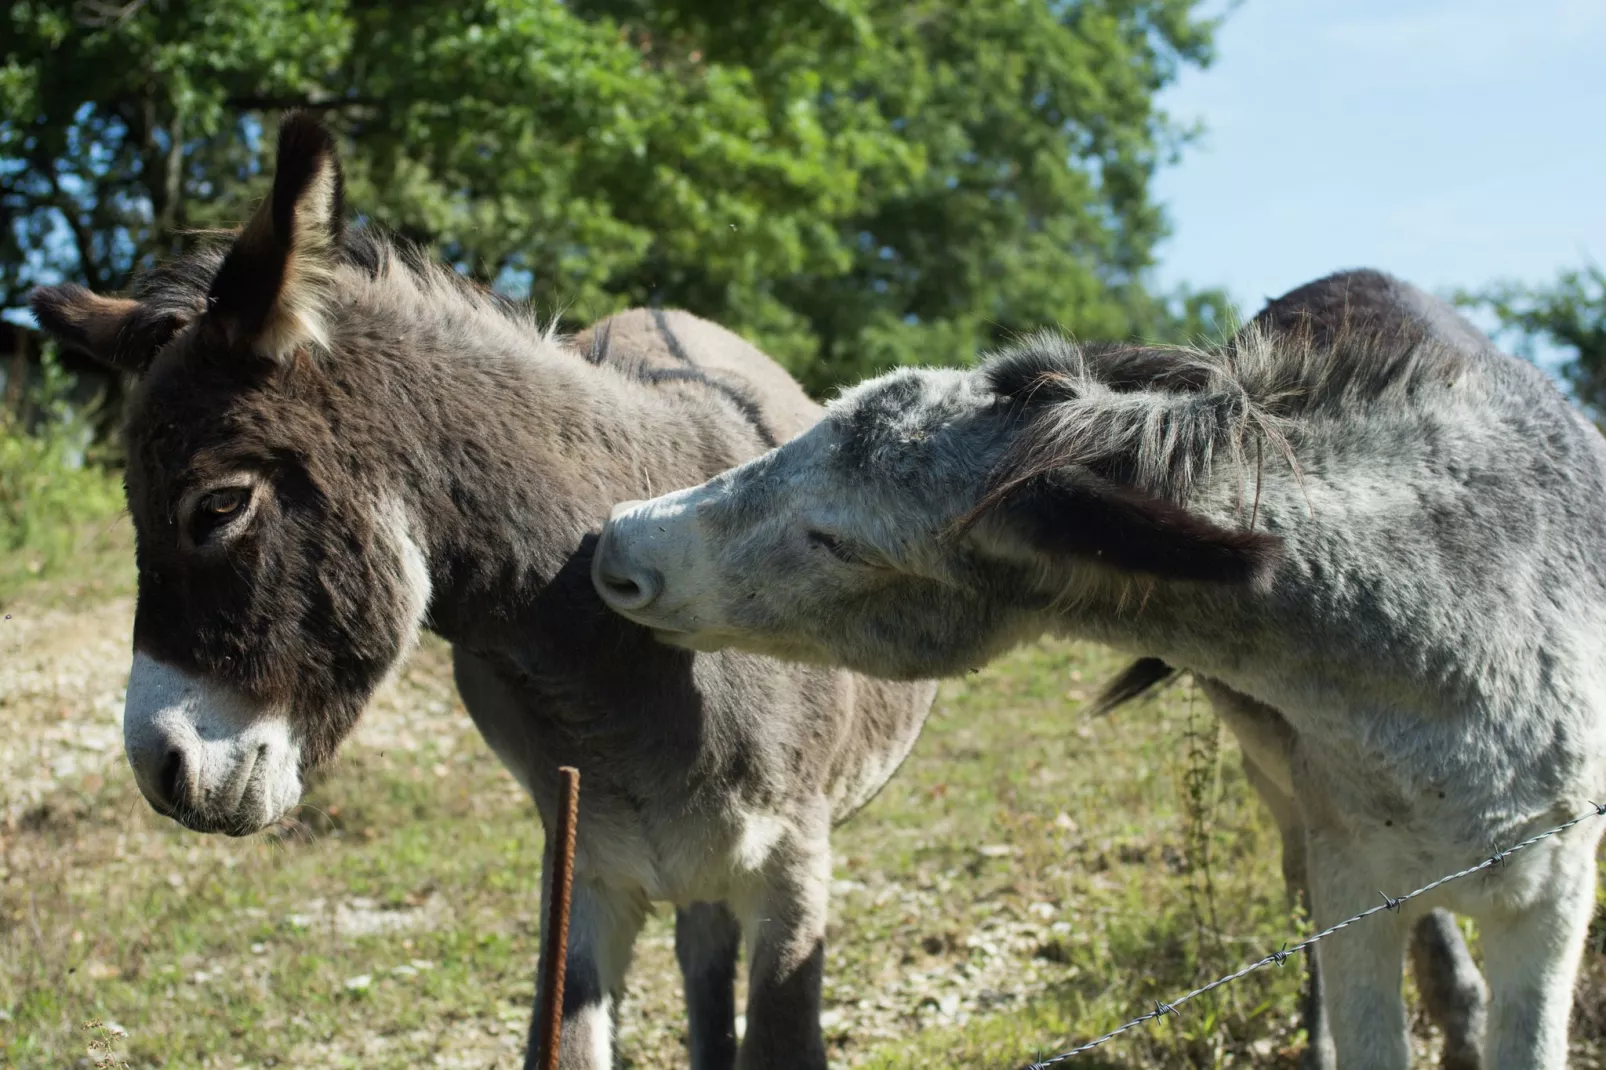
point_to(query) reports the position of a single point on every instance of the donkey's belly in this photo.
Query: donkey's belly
(681, 827)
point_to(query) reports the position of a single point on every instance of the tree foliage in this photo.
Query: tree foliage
(853, 183)
(1569, 314)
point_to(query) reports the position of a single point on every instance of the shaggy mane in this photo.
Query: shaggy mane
(179, 287)
(1160, 418)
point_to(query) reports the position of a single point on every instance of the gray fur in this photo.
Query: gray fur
(408, 451)
(1391, 535)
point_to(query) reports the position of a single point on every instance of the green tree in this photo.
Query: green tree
(1569, 314)
(853, 183)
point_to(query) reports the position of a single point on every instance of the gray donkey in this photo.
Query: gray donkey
(1448, 979)
(333, 444)
(1392, 547)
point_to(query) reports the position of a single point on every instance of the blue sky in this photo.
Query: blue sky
(1451, 142)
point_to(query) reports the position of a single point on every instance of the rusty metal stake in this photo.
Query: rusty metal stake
(557, 921)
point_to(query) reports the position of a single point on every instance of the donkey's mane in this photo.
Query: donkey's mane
(411, 282)
(1161, 418)
(381, 256)
(180, 286)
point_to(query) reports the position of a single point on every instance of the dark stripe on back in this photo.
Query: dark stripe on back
(736, 395)
(670, 340)
(598, 353)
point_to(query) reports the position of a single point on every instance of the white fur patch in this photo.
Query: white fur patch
(598, 1025)
(760, 834)
(241, 762)
(391, 518)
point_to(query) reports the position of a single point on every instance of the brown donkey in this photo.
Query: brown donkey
(333, 444)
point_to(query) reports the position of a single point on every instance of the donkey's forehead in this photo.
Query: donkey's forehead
(188, 410)
(899, 405)
(184, 396)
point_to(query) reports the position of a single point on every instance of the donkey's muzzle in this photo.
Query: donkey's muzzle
(205, 755)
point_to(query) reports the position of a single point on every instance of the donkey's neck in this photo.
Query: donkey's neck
(516, 449)
(1321, 612)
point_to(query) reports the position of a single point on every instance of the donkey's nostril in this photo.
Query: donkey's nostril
(626, 585)
(635, 589)
(170, 780)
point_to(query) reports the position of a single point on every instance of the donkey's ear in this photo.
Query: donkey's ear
(268, 294)
(1077, 516)
(116, 331)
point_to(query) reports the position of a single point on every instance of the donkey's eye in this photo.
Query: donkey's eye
(217, 509)
(226, 501)
(834, 546)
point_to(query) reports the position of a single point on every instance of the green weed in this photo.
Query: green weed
(58, 507)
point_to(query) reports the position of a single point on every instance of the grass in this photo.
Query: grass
(1022, 884)
(1030, 879)
(63, 530)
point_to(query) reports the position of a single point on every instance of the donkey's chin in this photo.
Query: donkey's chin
(260, 807)
(701, 642)
(781, 648)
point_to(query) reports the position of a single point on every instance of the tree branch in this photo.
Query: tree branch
(272, 103)
(83, 237)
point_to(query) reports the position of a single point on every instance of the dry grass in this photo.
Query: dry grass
(1024, 882)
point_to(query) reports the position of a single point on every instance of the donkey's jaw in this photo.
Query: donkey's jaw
(205, 755)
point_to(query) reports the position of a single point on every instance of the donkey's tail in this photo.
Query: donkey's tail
(1137, 678)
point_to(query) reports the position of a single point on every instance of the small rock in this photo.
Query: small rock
(359, 983)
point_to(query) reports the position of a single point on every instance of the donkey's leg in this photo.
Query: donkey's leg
(1452, 989)
(1267, 743)
(707, 940)
(1361, 966)
(784, 919)
(603, 924)
(1319, 1054)
(1532, 952)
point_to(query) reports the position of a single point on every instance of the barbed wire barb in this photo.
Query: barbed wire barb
(1278, 957)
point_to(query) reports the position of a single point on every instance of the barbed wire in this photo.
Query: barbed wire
(1282, 955)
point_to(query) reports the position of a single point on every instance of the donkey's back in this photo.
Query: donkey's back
(658, 345)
